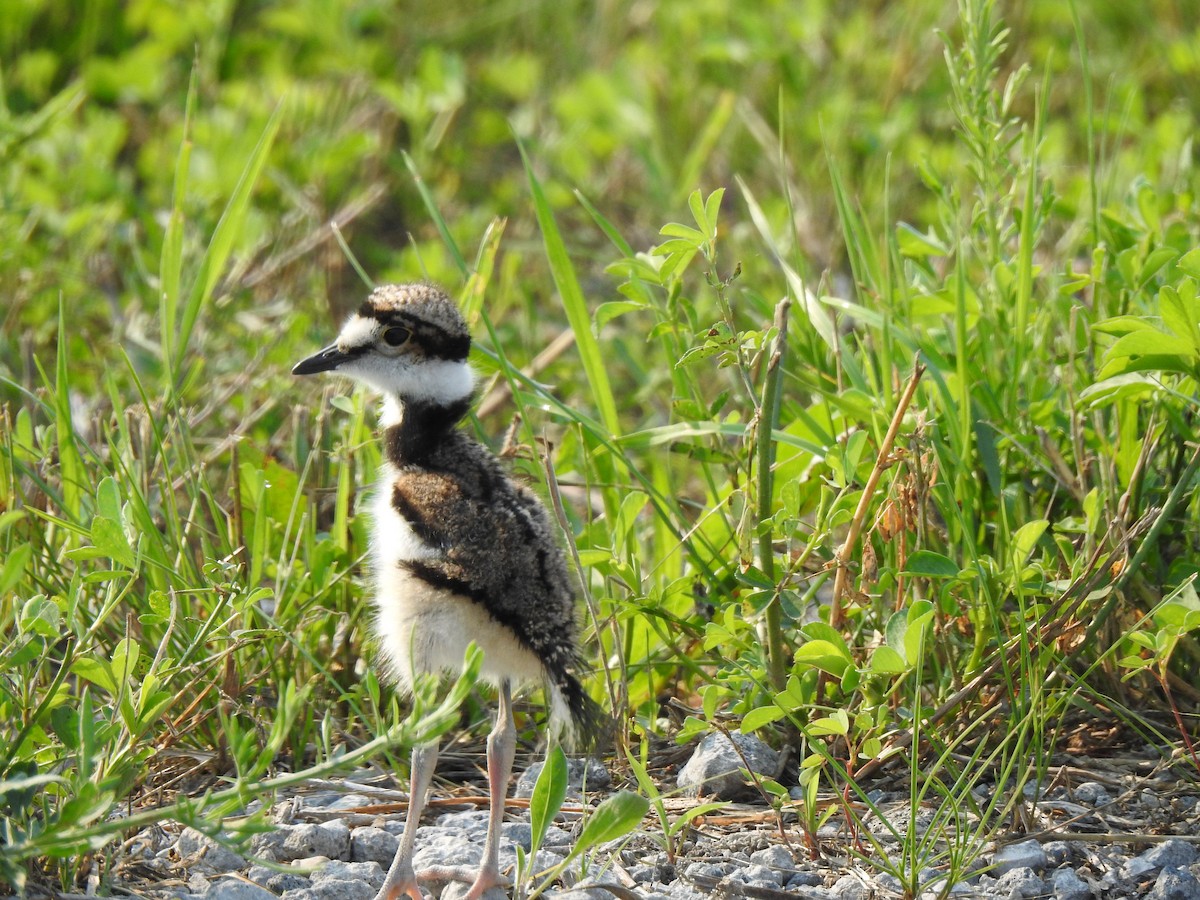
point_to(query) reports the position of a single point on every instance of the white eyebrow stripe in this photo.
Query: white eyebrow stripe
(357, 332)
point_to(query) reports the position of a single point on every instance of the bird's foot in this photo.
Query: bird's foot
(484, 883)
(401, 882)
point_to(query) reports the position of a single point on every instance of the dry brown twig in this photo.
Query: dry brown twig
(841, 582)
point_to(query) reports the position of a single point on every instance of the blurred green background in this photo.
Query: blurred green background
(1006, 191)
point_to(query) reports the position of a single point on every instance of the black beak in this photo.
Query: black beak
(324, 361)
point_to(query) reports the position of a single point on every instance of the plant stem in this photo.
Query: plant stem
(768, 417)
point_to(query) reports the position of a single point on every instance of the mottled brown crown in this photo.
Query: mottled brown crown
(427, 311)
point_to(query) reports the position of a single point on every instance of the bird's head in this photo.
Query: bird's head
(407, 341)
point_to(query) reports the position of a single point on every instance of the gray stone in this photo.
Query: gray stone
(546, 859)
(456, 890)
(342, 889)
(1137, 868)
(643, 874)
(371, 844)
(556, 837)
(1020, 883)
(1092, 793)
(472, 821)
(237, 889)
(1069, 886)
(1175, 884)
(200, 853)
(1172, 854)
(850, 887)
(290, 842)
(281, 882)
(929, 877)
(804, 880)
(715, 767)
(581, 773)
(1058, 853)
(889, 883)
(197, 883)
(758, 875)
(1027, 854)
(368, 872)
(706, 870)
(520, 833)
(776, 856)
(260, 874)
(346, 801)
(680, 890)
(447, 847)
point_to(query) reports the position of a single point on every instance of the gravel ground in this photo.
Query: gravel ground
(1125, 827)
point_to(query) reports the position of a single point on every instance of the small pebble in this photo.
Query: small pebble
(1172, 854)
(368, 872)
(805, 880)
(1069, 886)
(582, 775)
(237, 889)
(1091, 792)
(343, 889)
(289, 842)
(1058, 853)
(1027, 854)
(850, 887)
(1020, 883)
(1175, 884)
(281, 882)
(758, 875)
(371, 844)
(201, 853)
(706, 870)
(775, 856)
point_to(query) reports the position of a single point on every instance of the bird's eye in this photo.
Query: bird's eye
(396, 335)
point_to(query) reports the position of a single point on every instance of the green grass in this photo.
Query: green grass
(1004, 199)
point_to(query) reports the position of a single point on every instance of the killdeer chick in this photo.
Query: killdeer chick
(460, 551)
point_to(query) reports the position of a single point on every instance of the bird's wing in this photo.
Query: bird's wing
(491, 541)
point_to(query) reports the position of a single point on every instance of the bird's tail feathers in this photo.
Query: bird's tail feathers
(576, 719)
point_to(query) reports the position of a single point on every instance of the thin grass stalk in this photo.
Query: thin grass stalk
(768, 420)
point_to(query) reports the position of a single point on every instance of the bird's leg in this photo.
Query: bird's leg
(501, 747)
(401, 881)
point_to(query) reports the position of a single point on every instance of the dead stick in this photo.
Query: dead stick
(841, 583)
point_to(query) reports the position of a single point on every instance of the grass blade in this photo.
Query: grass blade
(226, 233)
(435, 214)
(573, 302)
